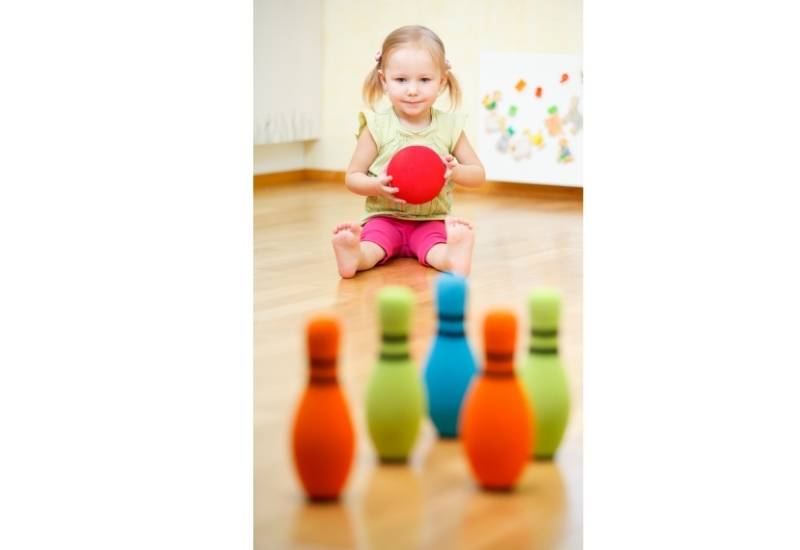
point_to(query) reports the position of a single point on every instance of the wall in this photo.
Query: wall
(354, 29)
(279, 157)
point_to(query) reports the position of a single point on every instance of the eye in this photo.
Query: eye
(400, 79)
(426, 79)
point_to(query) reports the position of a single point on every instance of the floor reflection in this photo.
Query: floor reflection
(322, 525)
(391, 508)
(530, 516)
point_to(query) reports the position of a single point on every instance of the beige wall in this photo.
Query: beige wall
(352, 30)
(279, 157)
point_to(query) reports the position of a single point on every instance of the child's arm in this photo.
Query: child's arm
(357, 179)
(464, 166)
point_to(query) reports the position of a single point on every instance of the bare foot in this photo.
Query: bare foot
(460, 239)
(346, 246)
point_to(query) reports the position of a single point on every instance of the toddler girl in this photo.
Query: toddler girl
(412, 71)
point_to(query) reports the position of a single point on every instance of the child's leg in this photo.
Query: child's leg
(353, 254)
(456, 254)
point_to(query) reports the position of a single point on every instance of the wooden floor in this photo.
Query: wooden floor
(521, 241)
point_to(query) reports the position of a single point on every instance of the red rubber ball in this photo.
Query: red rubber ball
(418, 172)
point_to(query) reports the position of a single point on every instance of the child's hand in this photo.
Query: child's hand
(451, 162)
(384, 189)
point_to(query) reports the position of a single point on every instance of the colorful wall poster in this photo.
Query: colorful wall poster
(530, 125)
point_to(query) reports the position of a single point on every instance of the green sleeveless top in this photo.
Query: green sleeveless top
(441, 135)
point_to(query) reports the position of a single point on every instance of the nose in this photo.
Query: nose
(412, 89)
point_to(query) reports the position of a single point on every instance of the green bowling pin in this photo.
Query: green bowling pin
(543, 375)
(395, 398)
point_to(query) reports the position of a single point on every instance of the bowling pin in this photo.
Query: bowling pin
(322, 437)
(496, 426)
(395, 397)
(451, 363)
(543, 375)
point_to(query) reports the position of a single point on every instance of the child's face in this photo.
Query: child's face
(412, 81)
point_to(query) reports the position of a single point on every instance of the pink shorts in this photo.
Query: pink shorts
(404, 238)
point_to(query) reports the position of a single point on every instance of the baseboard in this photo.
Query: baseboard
(263, 180)
(541, 190)
(494, 187)
(278, 178)
(325, 175)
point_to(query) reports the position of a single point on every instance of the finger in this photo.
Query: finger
(389, 189)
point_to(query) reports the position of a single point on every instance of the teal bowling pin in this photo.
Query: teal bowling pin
(543, 375)
(451, 363)
(395, 397)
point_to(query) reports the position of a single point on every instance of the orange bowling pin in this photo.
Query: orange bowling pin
(322, 437)
(496, 420)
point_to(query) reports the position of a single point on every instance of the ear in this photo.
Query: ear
(382, 77)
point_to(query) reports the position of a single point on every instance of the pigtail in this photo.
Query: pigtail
(373, 89)
(453, 90)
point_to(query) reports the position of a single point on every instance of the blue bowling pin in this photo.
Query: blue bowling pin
(451, 363)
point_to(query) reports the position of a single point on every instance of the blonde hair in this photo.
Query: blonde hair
(419, 36)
